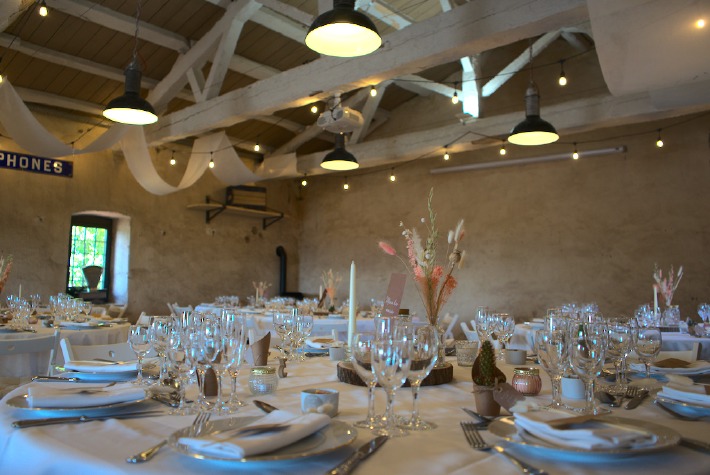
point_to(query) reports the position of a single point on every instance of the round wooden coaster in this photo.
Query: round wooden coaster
(347, 374)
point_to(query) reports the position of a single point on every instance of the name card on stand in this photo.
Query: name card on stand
(395, 290)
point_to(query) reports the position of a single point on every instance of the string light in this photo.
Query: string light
(700, 23)
(345, 185)
(172, 159)
(314, 109)
(304, 182)
(392, 177)
(373, 91)
(659, 141)
(502, 150)
(562, 81)
(257, 147)
(211, 161)
(455, 97)
(575, 154)
(43, 9)
(446, 154)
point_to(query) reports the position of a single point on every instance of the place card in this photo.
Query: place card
(671, 363)
(395, 290)
(506, 395)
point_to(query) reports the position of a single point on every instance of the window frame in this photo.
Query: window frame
(93, 221)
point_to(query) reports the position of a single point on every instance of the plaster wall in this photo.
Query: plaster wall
(536, 236)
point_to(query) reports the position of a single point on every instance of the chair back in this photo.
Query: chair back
(686, 350)
(469, 332)
(113, 351)
(34, 344)
(115, 310)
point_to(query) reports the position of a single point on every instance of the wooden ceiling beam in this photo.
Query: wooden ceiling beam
(470, 29)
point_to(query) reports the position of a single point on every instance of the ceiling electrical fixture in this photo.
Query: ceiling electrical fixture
(304, 182)
(455, 97)
(172, 159)
(562, 81)
(43, 11)
(343, 32)
(314, 109)
(502, 150)
(575, 154)
(373, 91)
(659, 140)
(392, 177)
(533, 130)
(700, 23)
(257, 147)
(211, 165)
(339, 159)
(446, 154)
(345, 185)
(131, 108)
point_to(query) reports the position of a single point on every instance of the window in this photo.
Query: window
(91, 243)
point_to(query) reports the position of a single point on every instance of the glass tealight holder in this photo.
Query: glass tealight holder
(263, 380)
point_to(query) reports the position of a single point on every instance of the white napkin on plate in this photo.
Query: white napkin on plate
(70, 395)
(589, 435)
(694, 368)
(90, 366)
(683, 392)
(319, 342)
(78, 324)
(227, 445)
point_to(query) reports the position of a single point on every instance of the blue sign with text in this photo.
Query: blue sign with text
(30, 163)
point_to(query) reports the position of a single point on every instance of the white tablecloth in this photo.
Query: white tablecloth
(102, 446)
(22, 366)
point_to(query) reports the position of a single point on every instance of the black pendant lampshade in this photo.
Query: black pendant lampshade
(533, 130)
(343, 32)
(131, 108)
(339, 159)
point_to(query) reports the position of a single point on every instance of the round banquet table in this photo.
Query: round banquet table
(102, 446)
(22, 367)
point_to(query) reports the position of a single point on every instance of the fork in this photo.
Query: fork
(631, 392)
(195, 429)
(476, 441)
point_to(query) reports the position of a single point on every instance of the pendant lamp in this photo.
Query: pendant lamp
(343, 32)
(339, 159)
(131, 108)
(533, 130)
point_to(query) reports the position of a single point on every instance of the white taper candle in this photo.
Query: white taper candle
(353, 305)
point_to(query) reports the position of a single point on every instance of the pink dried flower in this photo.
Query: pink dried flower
(387, 248)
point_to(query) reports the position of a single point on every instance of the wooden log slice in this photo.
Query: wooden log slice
(347, 374)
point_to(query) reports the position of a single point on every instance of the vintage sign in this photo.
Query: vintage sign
(30, 163)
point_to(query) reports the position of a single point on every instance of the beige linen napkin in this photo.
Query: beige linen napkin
(226, 445)
(590, 435)
(692, 368)
(70, 395)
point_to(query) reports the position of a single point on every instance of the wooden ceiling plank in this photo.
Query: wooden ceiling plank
(383, 13)
(368, 112)
(44, 98)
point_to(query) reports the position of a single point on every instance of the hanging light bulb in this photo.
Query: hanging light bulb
(345, 185)
(172, 159)
(43, 9)
(257, 147)
(304, 182)
(575, 154)
(659, 141)
(392, 177)
(502, 150)
(314, 109)
(343, 32)
(446, 154)
(562, 81)
(211, 161)
(455, 97)
(373, 91)
(700, 23)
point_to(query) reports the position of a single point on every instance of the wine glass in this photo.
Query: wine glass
(552, 351)
(620, 336)
(211, 341)
(177, 353)
(587, 349)
(303, 326)
(235, 344)
(484, 326)
(283, 324)
(504, 328)
(391, 362)
(196, 357)
(139, 341)
(648, 345)
(425, 348)
(159, 332)
(361, 357)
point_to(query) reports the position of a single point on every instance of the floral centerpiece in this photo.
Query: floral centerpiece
(434, 281)
(331, 280)
(667, 287)
(5, 268)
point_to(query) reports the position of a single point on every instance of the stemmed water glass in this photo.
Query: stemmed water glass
(177, 353)
(283, 324)
(620, 335)
(361, 357)
(196, 357)
(484, 326)
(139, 341)
(159, 332)
(552, 351)
(648, 345)
(212, 345)
(302, 328)
(424, 352)
(587, 349)
(504, 329)
(391, 362)
(235, 344)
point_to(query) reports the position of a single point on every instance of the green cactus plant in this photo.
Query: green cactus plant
(484, 371)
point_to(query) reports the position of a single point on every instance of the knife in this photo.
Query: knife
(636, 400)
(360, 454)
(68, 420)
(264, 406)
(695, 444)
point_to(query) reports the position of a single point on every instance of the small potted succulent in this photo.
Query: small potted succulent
(486, 376)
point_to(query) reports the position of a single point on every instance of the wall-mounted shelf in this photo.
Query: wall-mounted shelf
(214, 208)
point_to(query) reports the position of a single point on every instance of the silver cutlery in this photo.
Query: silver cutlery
(360, 454)
(68, 420)
(54, 379)
(636, 400)
(631, 392)
(484, 420)
(476, 441)
(265, 406)
(693, 444)
(197, 425)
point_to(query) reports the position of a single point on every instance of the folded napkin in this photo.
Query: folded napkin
(227, 445)
(70, 395)
(91, 366)
(320, 342)
(695, 367)
(78, 324)
(589, 435)
(689, 393)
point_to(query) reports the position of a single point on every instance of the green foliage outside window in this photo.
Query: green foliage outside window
(88, 248)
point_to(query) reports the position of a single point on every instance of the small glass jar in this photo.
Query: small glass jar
(263, 380)
(527, 381)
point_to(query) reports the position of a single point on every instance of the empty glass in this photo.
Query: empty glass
(552, 351)
(235, 336)
(177, 354)
(159, 332)
(361, 358)
(621, 336)
(504, 327)
(391, 361)
(424, 351)
(587, 349)
(648, 345)
(139, 341)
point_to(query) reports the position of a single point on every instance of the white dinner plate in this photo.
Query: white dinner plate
(20, 402)
(332, 437)
(101, 377)
(685, 409)
(505, 428)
